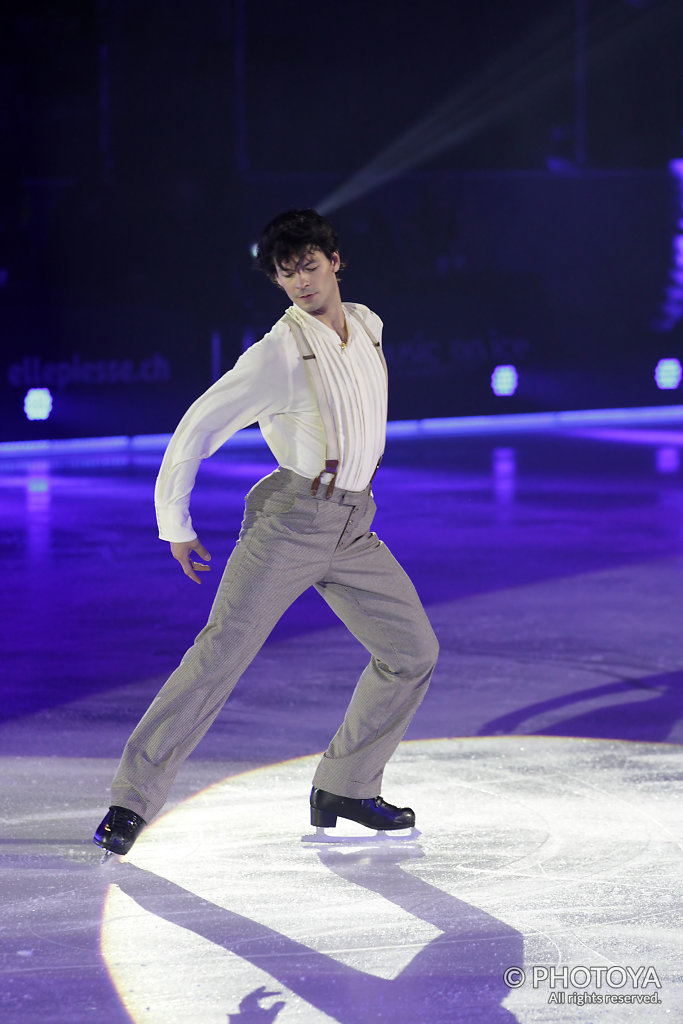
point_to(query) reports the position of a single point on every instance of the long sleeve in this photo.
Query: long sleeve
(258, 386)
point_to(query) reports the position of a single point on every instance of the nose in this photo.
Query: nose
(301, 280)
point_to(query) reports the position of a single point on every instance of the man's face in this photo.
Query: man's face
(310, 280)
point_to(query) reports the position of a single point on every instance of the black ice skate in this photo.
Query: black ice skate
(373, 813)
(118, 831)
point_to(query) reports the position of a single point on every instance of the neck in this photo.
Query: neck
(333, 317)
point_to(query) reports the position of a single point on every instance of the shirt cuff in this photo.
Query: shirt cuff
(175, 524)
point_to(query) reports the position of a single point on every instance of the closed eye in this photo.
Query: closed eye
(308, 268)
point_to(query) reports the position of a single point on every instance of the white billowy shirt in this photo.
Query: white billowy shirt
(270, 384)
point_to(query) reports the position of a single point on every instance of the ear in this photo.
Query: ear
(335, 261)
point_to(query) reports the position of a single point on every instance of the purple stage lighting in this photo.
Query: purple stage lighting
(504, 380)
(672, 306)
(668, 459)
(668, 373)
(38, 403)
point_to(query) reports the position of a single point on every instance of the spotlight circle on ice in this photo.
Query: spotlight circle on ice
(668, 374)
(38, 403)
(504, 380)
(227, 896)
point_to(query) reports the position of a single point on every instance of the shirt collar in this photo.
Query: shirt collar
(312, 322)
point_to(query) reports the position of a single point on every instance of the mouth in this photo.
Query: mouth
(308, 295)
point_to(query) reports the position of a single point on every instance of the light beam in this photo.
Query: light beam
(537, 64)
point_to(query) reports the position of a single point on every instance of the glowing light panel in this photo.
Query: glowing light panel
(504, 380)
(38, 403)
(668, 459)
(672, 305)
(668, 373)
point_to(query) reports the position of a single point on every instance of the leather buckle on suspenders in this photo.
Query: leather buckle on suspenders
(331, 466)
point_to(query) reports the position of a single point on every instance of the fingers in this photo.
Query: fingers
(187, 566)
(182, 551)
(201, 551)
(191, 568)
(198, 567)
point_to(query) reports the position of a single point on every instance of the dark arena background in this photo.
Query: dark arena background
(507, 180)
(506, 177)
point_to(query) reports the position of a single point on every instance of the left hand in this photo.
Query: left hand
(181, 551)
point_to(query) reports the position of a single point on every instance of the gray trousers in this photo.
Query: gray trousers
(290, 541)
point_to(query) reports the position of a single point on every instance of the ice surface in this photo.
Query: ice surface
(534, 851)
(552, 569)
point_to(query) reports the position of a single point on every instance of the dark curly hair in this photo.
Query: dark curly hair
(290, 235)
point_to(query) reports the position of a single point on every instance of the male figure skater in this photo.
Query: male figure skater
(317, 385)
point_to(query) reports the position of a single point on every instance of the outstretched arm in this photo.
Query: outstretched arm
(182, 550)
(257, 385)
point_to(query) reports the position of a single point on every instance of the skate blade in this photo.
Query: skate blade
(108, 858)
(378, 838)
